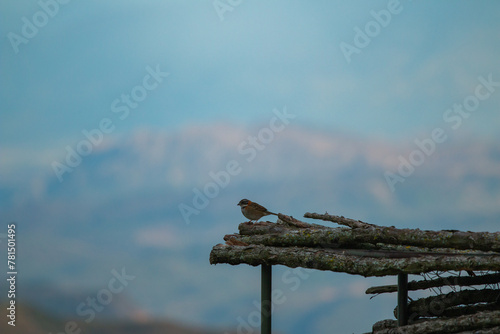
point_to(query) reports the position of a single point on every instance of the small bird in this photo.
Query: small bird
(253, 211)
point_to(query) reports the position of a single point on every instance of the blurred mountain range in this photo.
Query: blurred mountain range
(35, 321)
(119, 210)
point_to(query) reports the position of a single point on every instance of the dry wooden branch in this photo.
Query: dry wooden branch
(492, 330)
(480, 321)
(294, 222)
(339, 220)
(364, 232)
(347, 261)
(283, 235)
(435, 306)
(282, 226)
(461, 310)
(444, 281)
(383, 325)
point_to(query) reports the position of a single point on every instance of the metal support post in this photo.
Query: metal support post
(402, 299)
(266, 302)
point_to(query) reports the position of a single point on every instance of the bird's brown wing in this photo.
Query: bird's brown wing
(263, 209)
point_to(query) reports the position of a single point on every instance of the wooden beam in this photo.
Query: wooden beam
(402, 299)
(266, 299)
(347, 261)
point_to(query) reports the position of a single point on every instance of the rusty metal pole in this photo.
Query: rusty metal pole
(402, 299)
(266, 302)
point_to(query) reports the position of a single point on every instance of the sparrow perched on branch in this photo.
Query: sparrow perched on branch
(253, 211)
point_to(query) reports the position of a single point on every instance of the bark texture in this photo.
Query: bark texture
(351, 261)
(437, 305)
(483, 241)
(439, 282)
(488, 322)
(360, 248)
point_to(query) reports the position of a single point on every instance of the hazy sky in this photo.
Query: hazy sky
(167, 91)
(421, 60)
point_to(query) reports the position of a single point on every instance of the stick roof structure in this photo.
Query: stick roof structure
(359, 249)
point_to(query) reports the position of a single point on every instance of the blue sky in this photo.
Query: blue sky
(66, 77)
(354, 120)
